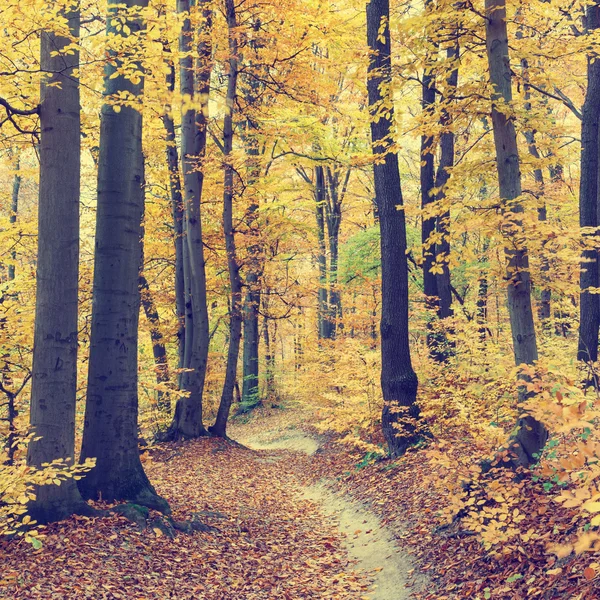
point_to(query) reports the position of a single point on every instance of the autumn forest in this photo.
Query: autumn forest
(300, 299)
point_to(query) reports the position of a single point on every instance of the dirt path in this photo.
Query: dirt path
(369, 544)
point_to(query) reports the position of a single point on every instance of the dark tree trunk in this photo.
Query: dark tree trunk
(254, 267)
(54, 381)
(14, 211)
(110, 432)
(235, 316)
(447, 143)
(427, 175)
(482, 298)
(270, 392)
(544, 308)
(589, 319)
(159, 350)
(398, 380)
(324, 323)
(187, 421)
(335, 192)
(531, 435)
(178, 213)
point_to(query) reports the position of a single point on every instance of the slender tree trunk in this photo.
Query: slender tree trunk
(333, 214)
(398, 380)
(14, 211)
(427, 174)
(54, 381)
(324, 323)
(178, 213)
(482, 297)
(111, 431)
(447, 143)
(270, 392)
(159, 351)
(254, 266)
(531, 435)
(187, 421)
(589, 319)
(235, 316)
(544, 308)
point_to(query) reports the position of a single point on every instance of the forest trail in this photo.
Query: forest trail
(279, 532)
(370, 545)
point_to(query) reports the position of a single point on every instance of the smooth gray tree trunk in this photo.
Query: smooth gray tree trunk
(235, 311)
(530, 435)
(111, 430)
(54, 380)
(195, 82)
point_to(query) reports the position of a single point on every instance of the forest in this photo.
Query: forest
(300, 299)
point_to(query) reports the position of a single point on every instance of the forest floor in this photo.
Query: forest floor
(294, 515)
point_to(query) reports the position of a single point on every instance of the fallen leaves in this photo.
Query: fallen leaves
(268, 544)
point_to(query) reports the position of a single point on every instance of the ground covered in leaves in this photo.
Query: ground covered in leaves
(270, 541)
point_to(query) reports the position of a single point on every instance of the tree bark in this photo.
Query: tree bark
(187, 421)
(446, 163)
(531, 435)
(54, 381)
(398, 380)
(254, 266)
(110, 429)
(178, 213)
(324, 323)
(427, 177)
(589, 316)
(235, 282)
(14, 211)
(159, 350)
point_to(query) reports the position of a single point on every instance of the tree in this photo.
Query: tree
(235, 282)
(110, 429)
(195, 83)
(531, 435)
(589, 315)
(54, 381)
(399, 382)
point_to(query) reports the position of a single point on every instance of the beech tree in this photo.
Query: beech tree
(531, 435)
(589, 311)
(194, 83)
(399, 382)
(233, 267)
(110, 428)
(54, 381)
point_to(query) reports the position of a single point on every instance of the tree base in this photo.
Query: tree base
(51, 512)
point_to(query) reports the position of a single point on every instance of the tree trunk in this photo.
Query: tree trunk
(544, 308)
(531, 435)
(324, 323)
(398, 380)
(159, 350)
(14, 210)
(178, 213)
(110, 432)
(254, 266)
(589, 319)
(442, 177)
(54, 381)
(187, 421)
(270, 391)
(333, 213)
(235, 316)
(427, 175)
